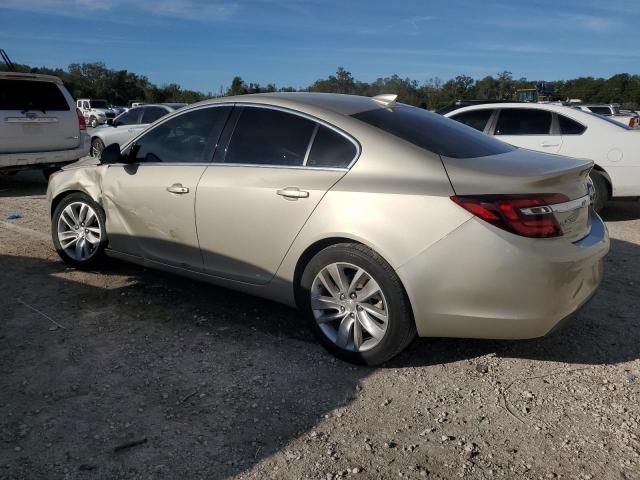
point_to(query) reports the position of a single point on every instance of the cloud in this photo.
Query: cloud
(520, 48)
(590, 22)
(197, 10)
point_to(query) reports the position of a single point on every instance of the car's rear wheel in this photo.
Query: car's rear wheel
(356, 304)
(78, 231)
(601, 188)
(97, 146)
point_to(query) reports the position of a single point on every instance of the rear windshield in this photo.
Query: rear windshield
(600, 110)
(608, 120)
(29, 95)
(433, 132)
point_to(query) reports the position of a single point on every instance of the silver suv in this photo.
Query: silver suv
(39, 124)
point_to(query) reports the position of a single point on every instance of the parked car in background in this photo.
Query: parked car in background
(96, 112)
(39, 124)
(129, 124)
(614, 147)
(627, 117)
(118, 109)
(377, 219)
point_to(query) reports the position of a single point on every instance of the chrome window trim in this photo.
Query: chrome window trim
(313, 119)
(318, 121)
(219, 164)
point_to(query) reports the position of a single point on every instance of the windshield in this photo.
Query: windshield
(433, 132)
(99, 104)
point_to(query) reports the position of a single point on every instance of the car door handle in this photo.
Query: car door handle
(292, 193)
(178, 188)
(549, 144)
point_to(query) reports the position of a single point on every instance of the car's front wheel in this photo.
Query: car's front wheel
(78, 231)
(93, 122)
(356, 304)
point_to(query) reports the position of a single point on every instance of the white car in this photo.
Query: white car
(128, 124)
(40, 127)
(614, 147)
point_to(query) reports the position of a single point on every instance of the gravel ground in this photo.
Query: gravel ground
(156, 376)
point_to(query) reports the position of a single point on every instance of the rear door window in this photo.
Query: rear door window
(475, 118)
(264, 136)
(151, 114)
(523, 121)
(570, 127)
(433, 132)
(331, 150)
(28, 95)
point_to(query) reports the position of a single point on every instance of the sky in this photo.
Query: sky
(202, 45)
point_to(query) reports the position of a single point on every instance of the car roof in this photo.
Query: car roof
(332, 102)
(30, 76)
(586, 118)
(175, 105)
(520, 105)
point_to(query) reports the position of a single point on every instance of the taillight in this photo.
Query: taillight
(632, 122)
(81, 123)
(525, 215)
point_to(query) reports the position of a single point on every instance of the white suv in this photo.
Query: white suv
(39, 124)
(96, 112)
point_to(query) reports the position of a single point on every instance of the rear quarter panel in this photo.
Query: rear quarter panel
(395, 200)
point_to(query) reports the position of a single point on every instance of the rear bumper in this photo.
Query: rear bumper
(482, 282)
(19, 161)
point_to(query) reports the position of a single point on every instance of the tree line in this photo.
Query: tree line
(119, 87)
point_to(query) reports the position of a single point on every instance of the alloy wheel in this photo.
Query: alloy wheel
(79, 231)
(349, 306)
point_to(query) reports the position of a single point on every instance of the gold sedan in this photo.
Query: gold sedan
(379, 220)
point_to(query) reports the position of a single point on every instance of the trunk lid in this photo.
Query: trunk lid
(523, 172)
(36, 115)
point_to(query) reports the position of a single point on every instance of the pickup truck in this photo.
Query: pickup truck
(612, 110)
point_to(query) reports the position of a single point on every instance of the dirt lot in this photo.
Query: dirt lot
(217, 384)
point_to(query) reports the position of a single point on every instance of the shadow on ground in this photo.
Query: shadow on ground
(23, 184)
(213, 380)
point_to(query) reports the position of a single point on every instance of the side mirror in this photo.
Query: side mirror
(111, 154)
(110, 122)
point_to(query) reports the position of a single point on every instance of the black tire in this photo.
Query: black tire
(93, 122)
(401, 328)
(601, 187)
(97, 146)
(97, 252)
